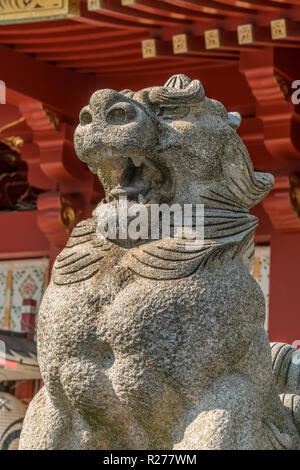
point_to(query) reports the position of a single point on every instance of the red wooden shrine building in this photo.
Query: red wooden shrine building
(54, 54)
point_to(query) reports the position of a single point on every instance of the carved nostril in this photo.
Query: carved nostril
(85, 118)
(121, 114)
(116, 116)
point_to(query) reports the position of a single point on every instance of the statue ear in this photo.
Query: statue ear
(246, 186)
(235, 119)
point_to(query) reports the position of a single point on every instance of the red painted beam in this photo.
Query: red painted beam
(38, 27)
(145, 63)
(113, 8)
(134, 59)
(261, 5)
(159, 63)
(109, 49)
(158, 73)
(215, 7)
(100, 59)
(171, 11)
(62, 90)
(51, 51)
(113, 21)
(66, 37)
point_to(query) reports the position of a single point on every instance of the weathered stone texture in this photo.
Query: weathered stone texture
(159, 344)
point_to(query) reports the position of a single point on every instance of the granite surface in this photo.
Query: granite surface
(160, 344)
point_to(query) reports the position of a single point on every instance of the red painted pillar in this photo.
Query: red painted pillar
(284, 322)
(284, 302)
(28, 318)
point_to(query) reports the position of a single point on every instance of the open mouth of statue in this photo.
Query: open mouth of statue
(137, 179)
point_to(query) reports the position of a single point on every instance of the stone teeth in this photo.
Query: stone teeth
(107, 152)
(142, 199)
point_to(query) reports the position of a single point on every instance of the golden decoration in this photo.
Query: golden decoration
(94, 5)
(149, 48)
(245, 33)
(212, 38)
(18, 11)
(10, 158)
(180, 43)
(279, 29)
(52, 117)
(127, 2)
(15, 191)
(282, 85)
(8, 185)
(294, 180)
(69, 216)
(14, 142)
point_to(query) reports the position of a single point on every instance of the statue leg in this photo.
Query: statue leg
(47, 426)
(228, 416)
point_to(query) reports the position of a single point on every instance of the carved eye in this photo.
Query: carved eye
(121, 114)
(173, 112)
(85, 118)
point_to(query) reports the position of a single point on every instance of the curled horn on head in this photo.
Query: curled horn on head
(179, 89)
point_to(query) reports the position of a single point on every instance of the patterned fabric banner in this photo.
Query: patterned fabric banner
(261, 273)
(19, 280)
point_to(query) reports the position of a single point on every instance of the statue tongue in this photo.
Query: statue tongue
(133, 184)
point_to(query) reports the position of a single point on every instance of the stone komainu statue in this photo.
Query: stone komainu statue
(160, 344)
